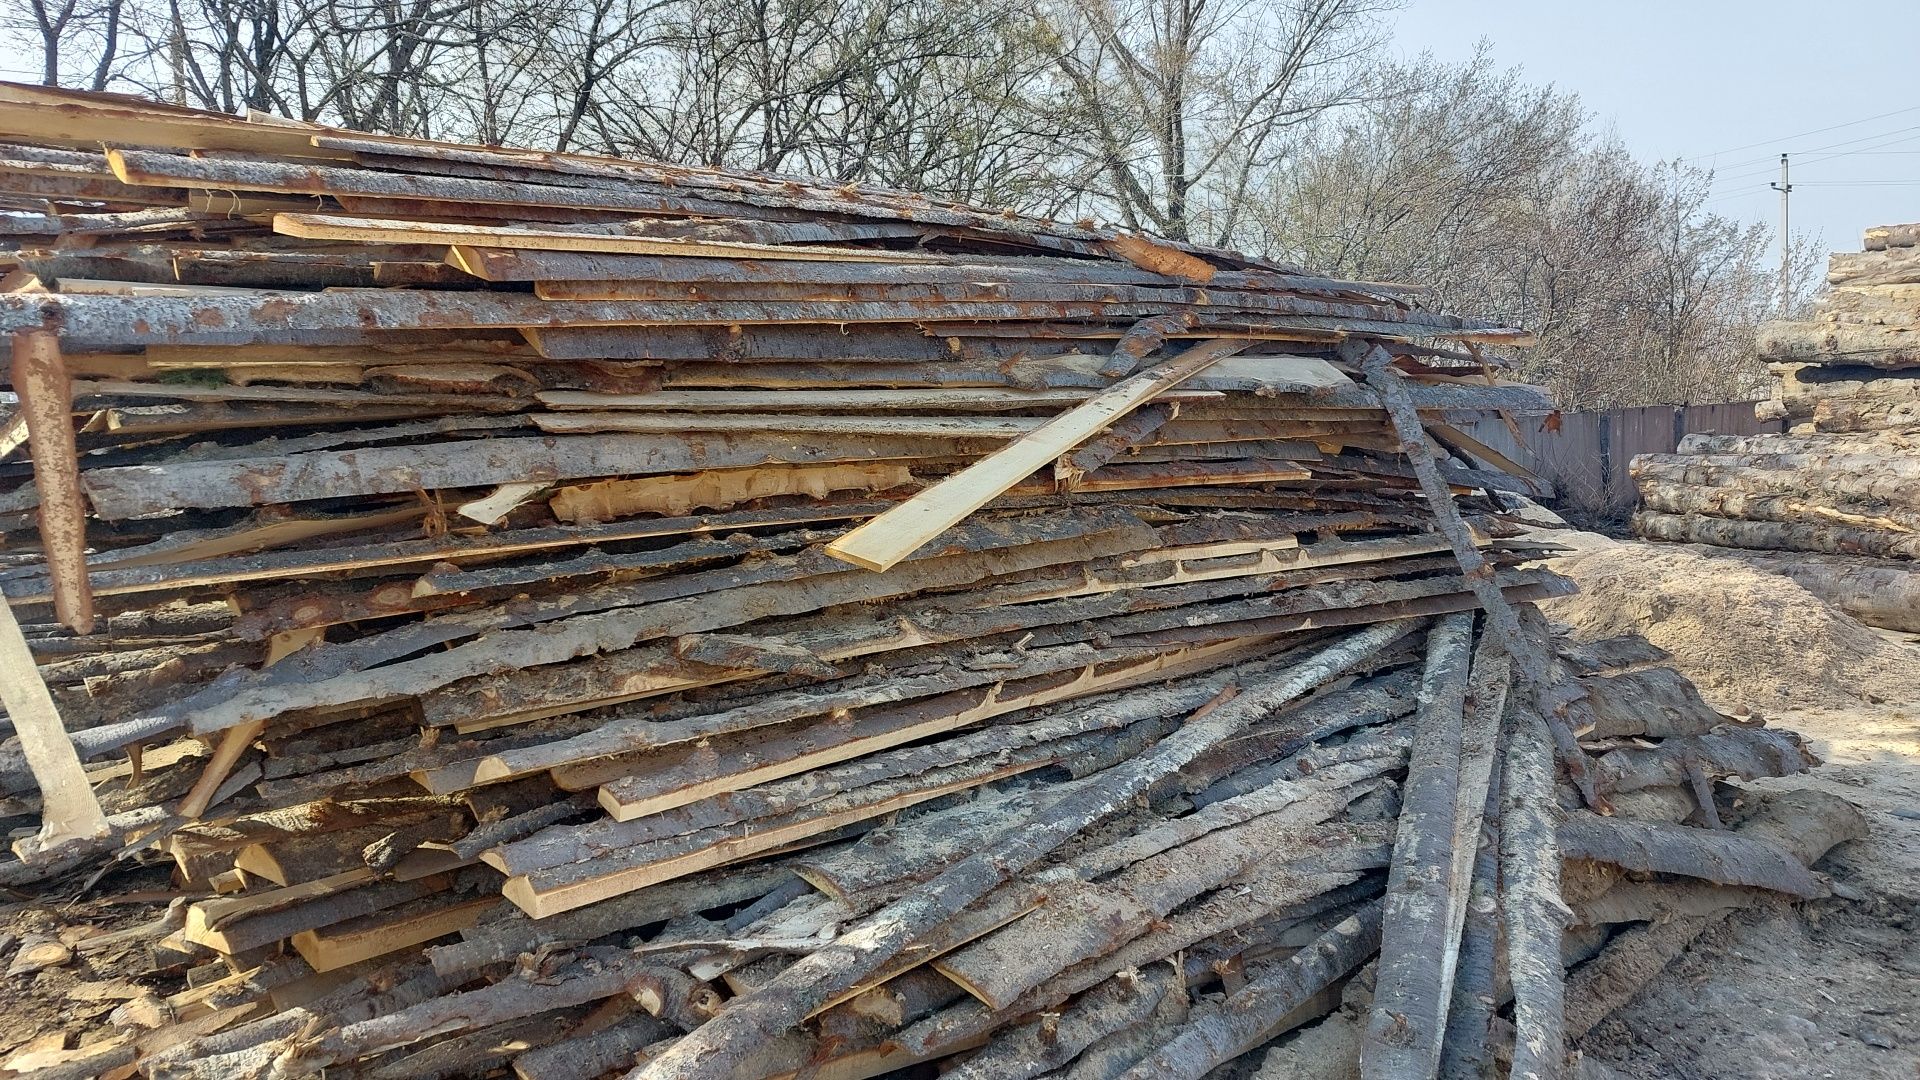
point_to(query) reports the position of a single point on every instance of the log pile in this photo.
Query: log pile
(564, 617)
(1841, 490)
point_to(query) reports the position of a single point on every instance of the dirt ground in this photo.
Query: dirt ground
(1827, 989)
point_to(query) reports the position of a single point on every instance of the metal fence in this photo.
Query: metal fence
(1585, 454)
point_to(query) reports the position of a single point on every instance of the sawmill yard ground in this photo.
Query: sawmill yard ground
(1826, 989)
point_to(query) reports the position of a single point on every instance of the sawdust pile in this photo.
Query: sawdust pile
(1745, 636)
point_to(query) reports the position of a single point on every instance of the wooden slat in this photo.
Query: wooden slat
(898, 533)
(69, 813)
(376, 231)
(529, 894)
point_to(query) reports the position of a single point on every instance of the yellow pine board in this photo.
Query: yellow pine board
(885, 540)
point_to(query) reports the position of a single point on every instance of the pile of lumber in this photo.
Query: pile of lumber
(1841, 490)
(575, 617)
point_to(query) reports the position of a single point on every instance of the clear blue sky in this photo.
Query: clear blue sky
(1704, 79)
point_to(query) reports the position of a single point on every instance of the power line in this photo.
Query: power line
(1804, 134)
(1887, 135)
(1829, 146)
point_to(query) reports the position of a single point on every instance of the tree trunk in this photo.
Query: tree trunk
(1426, 892)
(1535, 914)
(1810, 509)
(1775, 536)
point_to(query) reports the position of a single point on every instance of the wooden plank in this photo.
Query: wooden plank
(397, 470)
(376, 231)
(235, 740)
(69, 811)
(838, 402)
(532, 895)
(206, 919)
(399, 553)
(800, 423)
(330, 948)
(761, 757)
(885, 540)
(719, 489)
(40, 114)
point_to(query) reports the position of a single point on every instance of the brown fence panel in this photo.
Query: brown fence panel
(1585, 455)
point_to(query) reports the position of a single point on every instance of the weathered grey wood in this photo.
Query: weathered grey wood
(1530, 898)
(1112, 1056)
(130, 491)
(1248, 1017)
(757, 809)
(1725, 858)
(501, 939)
(1466, 1049)
(584, 1057)
(888, 538)
(1278, 885)
(1054, 1040)
(1657, 701)
(343, 316)
(1743, 752)
(710, 1051)
(1426, 891)
(595, 976)
(1806, 824)
(613, 627)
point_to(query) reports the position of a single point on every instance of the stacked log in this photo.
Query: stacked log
(565, 617)
(1839, 490)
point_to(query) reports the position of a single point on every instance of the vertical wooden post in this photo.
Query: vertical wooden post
(46, 400)
(69, 812)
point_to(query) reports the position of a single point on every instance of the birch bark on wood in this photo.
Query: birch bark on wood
(710, 1052)
(1424, 891)
(1534, 913)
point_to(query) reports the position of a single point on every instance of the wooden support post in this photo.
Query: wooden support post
(901, 531)
(46, 400)
(68, 809)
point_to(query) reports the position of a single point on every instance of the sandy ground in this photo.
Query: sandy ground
(1827, 989)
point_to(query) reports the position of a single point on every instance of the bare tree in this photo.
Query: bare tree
(87, 33)
(1495, 194)
(1187, 102)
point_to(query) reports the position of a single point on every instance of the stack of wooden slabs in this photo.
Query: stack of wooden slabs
(1831, 503)
(438, 554)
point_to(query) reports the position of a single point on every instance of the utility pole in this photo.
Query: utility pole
(1785, 188)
